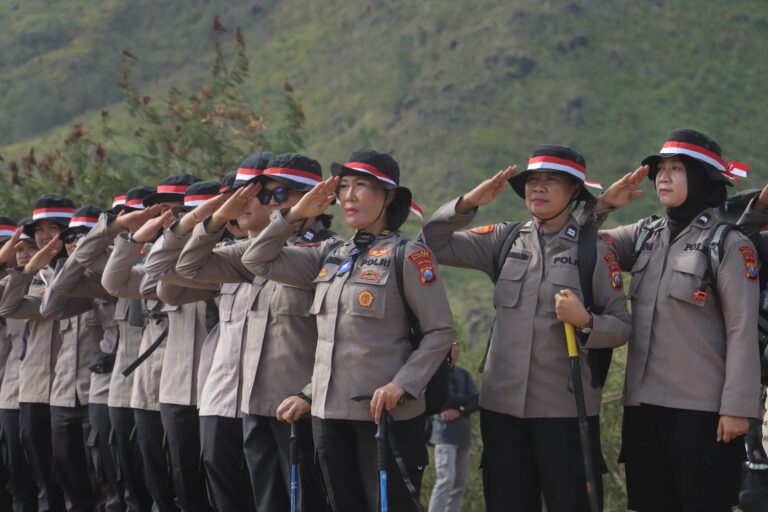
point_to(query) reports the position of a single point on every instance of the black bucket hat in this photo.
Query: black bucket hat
(8, 227)
(199, 192)
(251, 168)
(118, 204)
(54, 207)
(556, 158)
(294, 170)
(171, 189)
(702, 148)
(134, 198)
(84, 219)
(372, 163)
(227, 182)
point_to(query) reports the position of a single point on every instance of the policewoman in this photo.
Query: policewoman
(693, 371)
(528, 413)
(363, 345)
(268, 331)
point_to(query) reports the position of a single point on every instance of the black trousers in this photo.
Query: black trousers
(525, 458)
(267, 452)
(346, 450)
(35, 430)
(225, 470)
(150, 436)
(182, 429)
(109, 490)
(19, 483)
(128, 461)
(673, 461)
(70, 429)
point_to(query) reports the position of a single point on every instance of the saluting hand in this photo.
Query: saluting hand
(570, 309)
(134, 220)
(314, 202)
(8, 250)
(623, 191)
(292, 409)
(149, 231)
(486, 191)
(730, 427)
(238, 201)
(762, 200)
(44, 256)
(199, 214)
(386, 397)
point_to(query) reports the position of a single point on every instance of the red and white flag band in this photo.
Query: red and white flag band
(7, 229)
(416, 209)
(118, 201)
(196, 200)
(732, 169)
(171, 189)
(86, 222)
(369, 169)
(560, 164)
(307, 178)
(244, 174)
(47, 213)
(136, 204)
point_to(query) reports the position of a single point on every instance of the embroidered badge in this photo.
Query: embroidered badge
(750, 262)
(365, 299)
(704, 218)
(379, 251)
(323, 272)
(370, 275)
(700, 296)
(613, 267)
(570, 232)
(482, 230)
(422, 260)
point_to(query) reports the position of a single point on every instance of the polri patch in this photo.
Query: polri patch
(365, 299)
(482, 230)
(379, 251)
(750, 262)
(613, 267)
(422, 260)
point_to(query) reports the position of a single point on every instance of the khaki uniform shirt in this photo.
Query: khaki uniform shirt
(526, 373)
(363, 340)
(688, 350)
(279, 351)
(12, 344)
(21, 300)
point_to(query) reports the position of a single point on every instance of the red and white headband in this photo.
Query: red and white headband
(369, 169)
(7, 229)
(304, 177)
(732, 169)
(136, 204)
(554, 163)
(47, 213)
(85, 222)
(171, 189)
(197, 200)
(118, 201)
(244, 174)
(417, 210)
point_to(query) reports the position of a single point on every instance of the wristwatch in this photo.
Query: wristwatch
(587, 328)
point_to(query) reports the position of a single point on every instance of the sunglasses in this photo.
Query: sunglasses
(280, 194)
(72, 238)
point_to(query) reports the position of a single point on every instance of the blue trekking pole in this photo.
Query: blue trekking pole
(381, 461)
(294, 460)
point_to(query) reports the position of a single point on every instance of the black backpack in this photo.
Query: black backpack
(599, 359)
(438, 387)
(731, 210)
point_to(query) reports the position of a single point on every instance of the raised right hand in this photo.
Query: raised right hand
(44, 256)
(8, 250)
(624, 191)
(486, 191)
(134, 220)
(235, 203)
(149, 231)
(314, 202)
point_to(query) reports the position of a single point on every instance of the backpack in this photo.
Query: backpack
(438, 387)
(599, 360)
(731, 210)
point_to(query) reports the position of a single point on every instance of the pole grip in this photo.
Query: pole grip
(570, 340)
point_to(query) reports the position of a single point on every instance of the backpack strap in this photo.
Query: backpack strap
(413, 322)
(504, 243)
(650, 226)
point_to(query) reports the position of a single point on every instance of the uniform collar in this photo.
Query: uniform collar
(569, 231)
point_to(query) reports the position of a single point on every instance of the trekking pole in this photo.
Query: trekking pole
(381, 454)
(293, 456)
(581, 411)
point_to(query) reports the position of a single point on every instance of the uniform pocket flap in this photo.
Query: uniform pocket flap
(513, 269)
(372, 276)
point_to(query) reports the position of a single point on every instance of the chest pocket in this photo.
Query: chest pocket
(561, 278)
(322, 283)
(227, 301)
(687, 278)
(369, 298)
(289, 300)
(506, 293)
(638, 270)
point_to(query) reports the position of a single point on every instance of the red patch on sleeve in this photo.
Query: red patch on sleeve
(606, 237)
(617, 282)
(422, 260)
(482, 230)
(750, 263)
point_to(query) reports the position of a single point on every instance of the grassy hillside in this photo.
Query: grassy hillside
(455, 90)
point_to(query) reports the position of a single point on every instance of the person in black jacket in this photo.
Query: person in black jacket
(452, 437)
